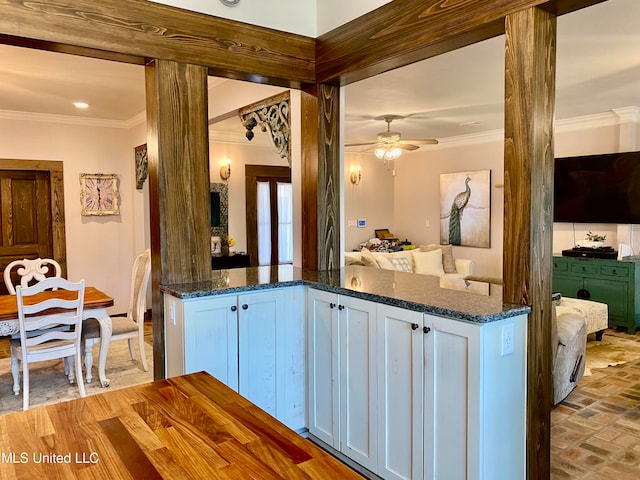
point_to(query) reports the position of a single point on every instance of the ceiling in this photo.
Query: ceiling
(458, 93)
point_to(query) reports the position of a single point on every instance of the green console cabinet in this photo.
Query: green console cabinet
(614, 282)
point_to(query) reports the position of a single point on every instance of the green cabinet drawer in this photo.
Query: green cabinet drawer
(583, 268)
(614, 271)
(559, 266)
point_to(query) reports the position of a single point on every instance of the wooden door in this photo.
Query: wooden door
(25, 216)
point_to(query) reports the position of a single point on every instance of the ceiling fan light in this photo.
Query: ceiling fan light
(393, 153)
(380, 152)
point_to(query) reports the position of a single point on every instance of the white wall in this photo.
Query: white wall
(417, 197)
(99, 249)
(333, 13)
(295, 16)
(372, 200)
(305, 17)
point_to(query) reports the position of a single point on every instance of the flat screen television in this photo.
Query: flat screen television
(597, 188)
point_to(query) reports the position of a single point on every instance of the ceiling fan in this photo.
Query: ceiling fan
(389, 145)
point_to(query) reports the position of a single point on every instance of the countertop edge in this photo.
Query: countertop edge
(511, 311)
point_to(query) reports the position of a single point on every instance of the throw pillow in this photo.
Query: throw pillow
(368, 259)
(384, 262)
(448, 262)
(429, 263)
(401, 264)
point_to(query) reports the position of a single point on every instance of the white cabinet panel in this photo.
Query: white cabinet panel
(323, 373)
(358, 380)
(399, 354)
(452, 369)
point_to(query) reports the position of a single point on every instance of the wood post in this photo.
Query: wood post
(178, 153)
(328, 177)
(528, 206)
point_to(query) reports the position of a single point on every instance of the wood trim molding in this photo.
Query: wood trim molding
(406, 31)
(132, 30)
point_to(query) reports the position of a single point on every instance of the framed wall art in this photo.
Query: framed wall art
(99, 194)
(465, 209)
(142, 165)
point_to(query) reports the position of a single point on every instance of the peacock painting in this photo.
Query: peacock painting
(455, 214)
(465, 208)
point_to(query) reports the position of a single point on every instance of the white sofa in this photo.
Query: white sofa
(426, 260)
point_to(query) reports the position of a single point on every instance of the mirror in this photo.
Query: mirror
(219, 203)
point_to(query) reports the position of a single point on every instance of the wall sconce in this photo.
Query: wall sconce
(356, 176)
(225, 172)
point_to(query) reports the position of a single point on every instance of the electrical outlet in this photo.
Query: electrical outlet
(507, 339)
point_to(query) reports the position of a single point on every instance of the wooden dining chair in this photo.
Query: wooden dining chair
(39, 340)
(130, 327)
(30, 270)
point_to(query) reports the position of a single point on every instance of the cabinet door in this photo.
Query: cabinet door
(322, 368)
(400, 372)
(211, 338)
(258, 316)
(451, 399)
(358, 381)
(568, 286)
(614, 293)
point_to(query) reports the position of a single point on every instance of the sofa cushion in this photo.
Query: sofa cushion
(368, 259)
(448, 261)
(428, 263)
(401, 264)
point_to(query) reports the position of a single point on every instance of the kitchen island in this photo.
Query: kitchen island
(408, 375)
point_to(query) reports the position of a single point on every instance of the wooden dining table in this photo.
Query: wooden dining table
(95, 306)
(187, 427)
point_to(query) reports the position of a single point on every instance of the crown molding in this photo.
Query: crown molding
(72, 120)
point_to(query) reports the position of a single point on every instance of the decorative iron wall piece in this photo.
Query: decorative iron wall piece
(271, 115)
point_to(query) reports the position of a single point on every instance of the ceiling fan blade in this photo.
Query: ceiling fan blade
(360, 144)
(408, 147)
(422, 141)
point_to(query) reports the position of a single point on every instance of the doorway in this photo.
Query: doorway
(31, 212)
(269, 214)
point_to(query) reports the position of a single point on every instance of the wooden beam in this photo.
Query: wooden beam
(406, 31)
(528, 200)
(137, 29)
(178, 153)
(309, 148)
(328, 177)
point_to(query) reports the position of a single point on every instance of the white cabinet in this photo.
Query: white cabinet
(342, 369)
(474, 400)
(413, 396)
(400, 374)
(253, 342)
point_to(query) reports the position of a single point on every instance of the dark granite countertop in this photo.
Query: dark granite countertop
(445, 296)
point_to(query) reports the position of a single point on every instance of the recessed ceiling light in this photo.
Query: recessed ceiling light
(80, 104)
(469, 124)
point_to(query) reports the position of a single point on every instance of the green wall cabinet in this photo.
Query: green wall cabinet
(614, 282)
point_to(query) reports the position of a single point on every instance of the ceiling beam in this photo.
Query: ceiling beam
(137, 29)
(406, 31)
